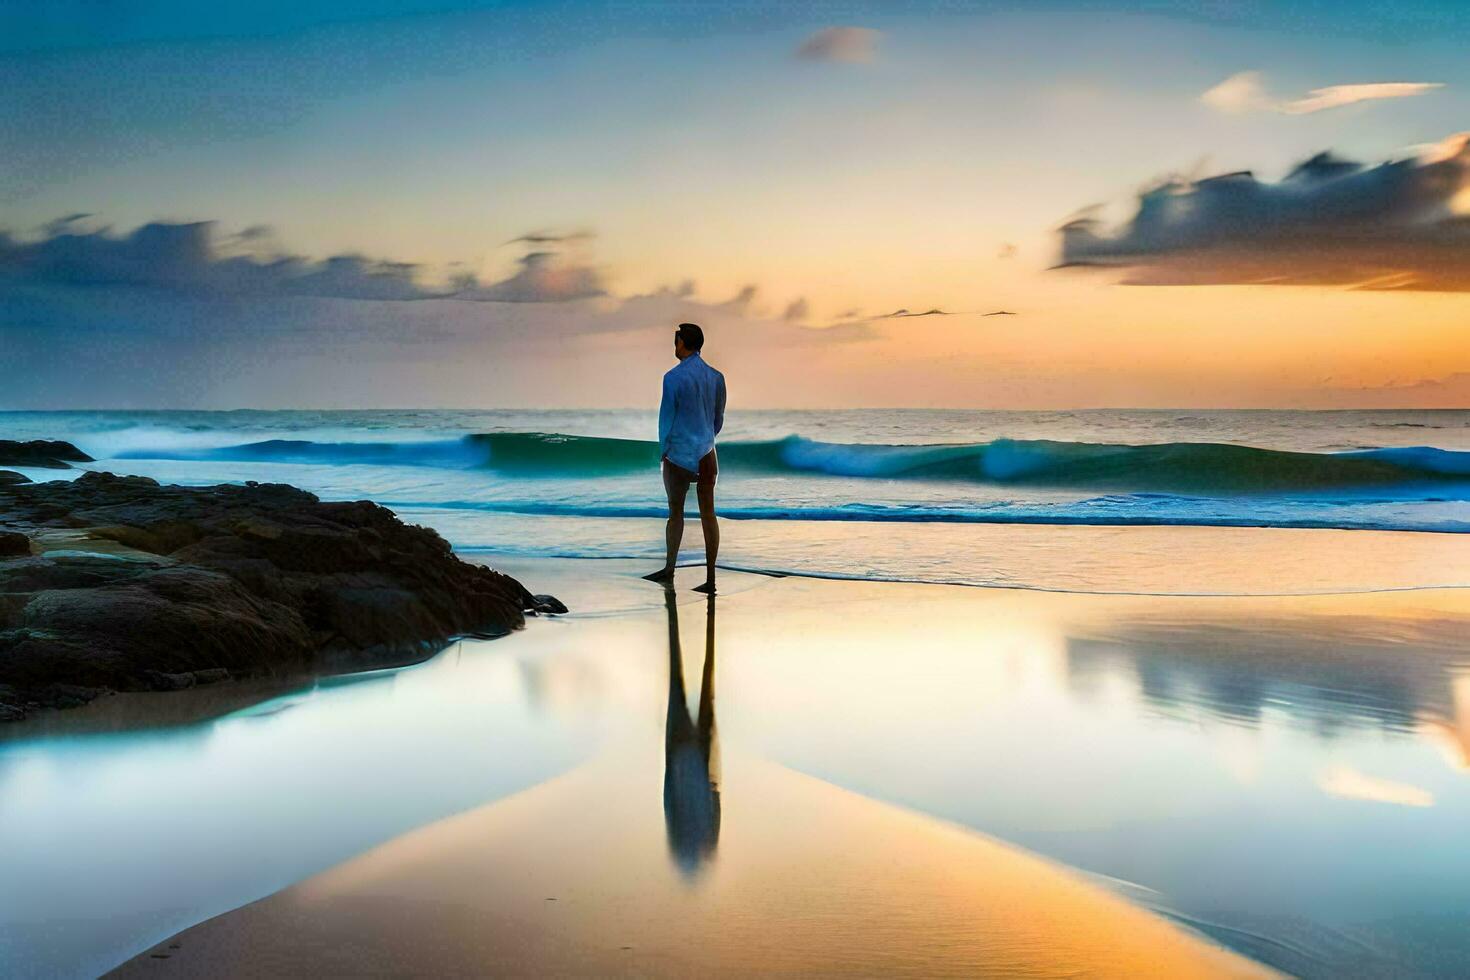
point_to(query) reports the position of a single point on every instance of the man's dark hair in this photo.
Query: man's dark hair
(692, 336)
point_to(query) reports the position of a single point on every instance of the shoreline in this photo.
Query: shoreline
(839, 577)
(200, 703)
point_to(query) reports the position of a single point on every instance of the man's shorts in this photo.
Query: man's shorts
(677, 476)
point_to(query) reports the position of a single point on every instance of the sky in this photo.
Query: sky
(423, 203)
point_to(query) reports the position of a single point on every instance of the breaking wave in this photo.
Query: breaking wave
(1209, 469)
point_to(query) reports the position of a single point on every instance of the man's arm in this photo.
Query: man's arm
(666, 416)
(720, 405)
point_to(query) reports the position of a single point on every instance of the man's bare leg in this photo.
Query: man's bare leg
(711, 525)
(677, 490)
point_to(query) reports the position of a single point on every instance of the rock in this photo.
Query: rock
(171, 682)
(10, 478)
(13, 543)
(53, 455)
(11, 707)
(225, 581)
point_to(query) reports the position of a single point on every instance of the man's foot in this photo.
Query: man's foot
(708, 588)
(662, 575)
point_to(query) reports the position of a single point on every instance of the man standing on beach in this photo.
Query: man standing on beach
(690, 416)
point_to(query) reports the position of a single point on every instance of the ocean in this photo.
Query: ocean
(911, 495)
(1260, 732)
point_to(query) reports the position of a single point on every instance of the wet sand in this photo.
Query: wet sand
(573, 877)
(751, 867)
(1235, 753)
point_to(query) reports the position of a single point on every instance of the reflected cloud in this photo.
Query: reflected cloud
(1353, 785)
(564, 687)
(1326, 674)
(691, 755)
(1453, 733)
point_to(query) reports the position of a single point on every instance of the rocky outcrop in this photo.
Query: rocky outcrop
(13, 543)
(112, 583)
(51, 455)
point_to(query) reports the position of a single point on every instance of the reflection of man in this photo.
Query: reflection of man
(691, 755)
(689, 417)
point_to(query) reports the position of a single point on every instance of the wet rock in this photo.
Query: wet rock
(10, 707)
(171, 682)
(225, 581)
(10, 478)
(52, 455)
(13, 543)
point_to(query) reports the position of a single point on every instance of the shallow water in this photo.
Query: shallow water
(1287, 775)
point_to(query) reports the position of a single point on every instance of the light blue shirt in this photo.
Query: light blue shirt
(692, 412)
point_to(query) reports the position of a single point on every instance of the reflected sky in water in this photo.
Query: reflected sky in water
(112, 840)
(1289, 775)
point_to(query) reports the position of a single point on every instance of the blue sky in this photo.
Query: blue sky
(80, 23)
(690, 140)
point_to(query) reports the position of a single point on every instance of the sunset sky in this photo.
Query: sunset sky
(569, 180)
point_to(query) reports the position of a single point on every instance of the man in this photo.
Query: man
(690, 416)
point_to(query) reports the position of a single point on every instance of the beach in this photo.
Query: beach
(911, 778)
(928, 746)
(664, 489)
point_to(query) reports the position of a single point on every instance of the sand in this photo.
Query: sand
(672, 853)
(574, 878)
(665, 856)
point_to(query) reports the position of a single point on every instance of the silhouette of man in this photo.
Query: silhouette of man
(689, 417)
(691, 754)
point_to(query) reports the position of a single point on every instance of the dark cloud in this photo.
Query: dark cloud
(192, 258)
(853, 45)
(544, 277)
(743, 300)
(66, 222)
(255, 233)
(183, 315)
(900, 314)
(184, 258)
(855, 318)
(176, 315)
(552, 238)
(1329, 222)
(348, 277)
